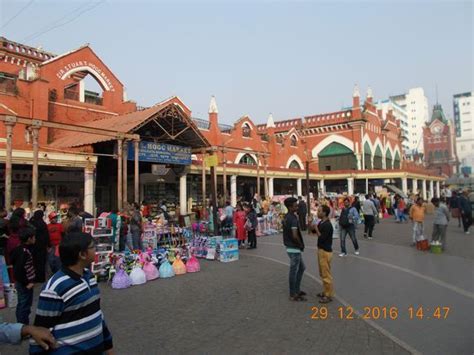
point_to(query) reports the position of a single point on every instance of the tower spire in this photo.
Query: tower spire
(270, 122)
(213, 105)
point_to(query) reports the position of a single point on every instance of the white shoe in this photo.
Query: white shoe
(356, 252)
(468, 232)
(342, 254)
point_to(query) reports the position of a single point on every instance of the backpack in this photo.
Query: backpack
(344, 218)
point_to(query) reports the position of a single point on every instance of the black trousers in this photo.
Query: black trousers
(252, 237)
(369, 225)
(467, 221)
(302, 218)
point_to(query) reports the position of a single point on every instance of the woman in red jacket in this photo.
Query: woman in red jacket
(239, 221)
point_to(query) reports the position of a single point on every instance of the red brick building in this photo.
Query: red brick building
(439, 140)
(354, 149)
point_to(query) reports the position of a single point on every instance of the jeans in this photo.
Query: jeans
(136, 238)
(439, 234)
(417, 231)
(25, 301)
(54, 261)
(252, 238)
(402, 216)
(369, 225)
(352, 234)
(297, 269)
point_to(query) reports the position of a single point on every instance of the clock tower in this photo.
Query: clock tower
(439, 142)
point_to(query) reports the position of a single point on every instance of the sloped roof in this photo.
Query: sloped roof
(123, 123)
(438, 114)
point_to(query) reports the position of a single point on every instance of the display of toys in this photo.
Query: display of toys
(166, 270)
(137, 275)
(193, 265)
(178, 266)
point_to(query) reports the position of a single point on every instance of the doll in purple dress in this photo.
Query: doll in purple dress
(121, 279)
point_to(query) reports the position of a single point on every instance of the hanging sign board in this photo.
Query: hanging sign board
(211, 160)
(161, 153)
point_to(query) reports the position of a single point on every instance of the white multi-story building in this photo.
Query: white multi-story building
(415, 104)
(400, 114)
(464, 123)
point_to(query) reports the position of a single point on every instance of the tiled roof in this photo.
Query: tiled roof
(122, 123)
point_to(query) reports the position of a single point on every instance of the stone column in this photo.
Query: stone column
(270, 187)
(431, 189)
(359, 158)
(384, 162)
(322, 188)
(233, 190)
(299, 189)
(125, 172)
(8, 165)
(350, 186)
(89, 190)
(414, 188)
(423, 189)
(405, 185)
(136, 181)
(119, 174)
(438, 194)
(34, 175)
(183, 195)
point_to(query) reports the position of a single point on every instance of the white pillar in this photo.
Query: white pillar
(414, 188)
(183, 207)
(359, 158)
(350, 186)
(437, 190)
(82, 97)
(233, 190)
(405, 185)
(423, 189)
(270, 187)
(89, 190)
(372, 161)
(384, 162)
(431, 189)
(366, 186)
(299, 189)
(322, 188)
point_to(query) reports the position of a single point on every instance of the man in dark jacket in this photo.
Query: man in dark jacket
(293, 241)
(302, 212)
(466, 211)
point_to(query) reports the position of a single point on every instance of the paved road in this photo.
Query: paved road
(243, 307)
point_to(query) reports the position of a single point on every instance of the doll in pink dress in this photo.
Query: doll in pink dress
(151, 272)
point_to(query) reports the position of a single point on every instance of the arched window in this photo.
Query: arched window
(367, 156)
(246, 130)
(378, 158)
(446, 153)
(247, 159)
(337, 157)
(294, 165)
(293, 140)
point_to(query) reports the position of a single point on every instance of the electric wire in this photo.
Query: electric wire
(17, 14)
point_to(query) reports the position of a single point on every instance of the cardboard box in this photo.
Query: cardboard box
(228, 256)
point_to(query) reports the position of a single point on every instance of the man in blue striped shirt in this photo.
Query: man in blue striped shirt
(69, 303)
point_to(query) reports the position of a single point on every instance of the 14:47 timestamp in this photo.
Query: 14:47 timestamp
(424, 312)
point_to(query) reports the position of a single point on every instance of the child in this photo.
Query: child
(24, 271)
(324, 231)
(69, 304)
(440, 223)
(56, 233)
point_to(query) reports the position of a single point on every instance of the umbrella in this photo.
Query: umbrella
(397, 191)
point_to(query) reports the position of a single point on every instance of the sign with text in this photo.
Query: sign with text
(161, 153)
(211, 160)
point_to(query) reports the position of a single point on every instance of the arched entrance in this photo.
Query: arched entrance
(396, 161)
(378, 158)
(337, 157)
(388, 159)
(367, 156)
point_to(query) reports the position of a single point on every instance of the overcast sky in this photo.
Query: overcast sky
(291, 58)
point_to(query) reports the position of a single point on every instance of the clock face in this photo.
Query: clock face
(437, 129)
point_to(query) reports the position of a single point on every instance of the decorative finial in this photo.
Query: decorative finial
(356, 92)
(270, 122)
(213, 105)
(369, 93)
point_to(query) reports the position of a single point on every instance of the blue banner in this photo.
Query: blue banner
(161, 153)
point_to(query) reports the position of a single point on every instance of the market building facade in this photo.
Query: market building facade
(65, 142)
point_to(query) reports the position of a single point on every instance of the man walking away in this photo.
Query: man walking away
(440, 223)
(302, 212)
(348, 221)
(370, 211)
(324, 231)
(417, 215)
(466, 211)
(293, 241)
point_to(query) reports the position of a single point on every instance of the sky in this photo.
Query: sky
(289, 58)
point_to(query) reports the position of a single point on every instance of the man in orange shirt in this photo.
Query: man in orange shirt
(417, 215)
